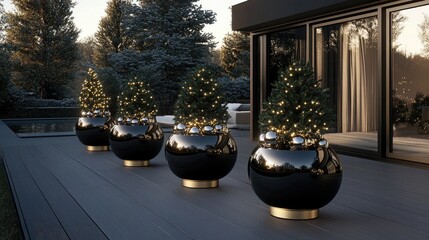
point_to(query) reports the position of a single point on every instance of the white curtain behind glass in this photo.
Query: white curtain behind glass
(357, 84)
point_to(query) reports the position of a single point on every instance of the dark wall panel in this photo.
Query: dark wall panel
(256, 14)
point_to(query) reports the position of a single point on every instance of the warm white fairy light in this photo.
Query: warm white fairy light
(92, 98)
(203, 89)
(306, 114)
(137, 103)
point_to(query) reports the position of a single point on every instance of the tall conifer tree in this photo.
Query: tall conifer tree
(43, 36)
(168, 36)
(2, 22)
(4, 60)
(110, 37)
(235, 54)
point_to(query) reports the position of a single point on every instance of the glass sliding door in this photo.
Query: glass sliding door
(346, 63)
(409, 77)
(274, 52)
(284, 48)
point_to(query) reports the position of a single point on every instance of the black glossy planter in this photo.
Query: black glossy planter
(136, 145)
(295, 184)
(201, 160)
(94, 132)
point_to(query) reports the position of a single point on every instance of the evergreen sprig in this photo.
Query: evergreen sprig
(297, 106)
(137, 101)
(92, 96)
(201, 102)
(399, 109)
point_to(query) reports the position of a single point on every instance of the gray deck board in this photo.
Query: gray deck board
(106, 204)
(74, 220)
(377, 200)
(143, 185)
(38, 218)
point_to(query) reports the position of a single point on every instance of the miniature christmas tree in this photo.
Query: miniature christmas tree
(416, 108)
(297, 106)
(399, 110)
(416, 115)
(93, 101)
(201, 102)
(137, 103)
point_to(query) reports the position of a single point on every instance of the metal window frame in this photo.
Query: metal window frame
(382, 12)
(389, 82)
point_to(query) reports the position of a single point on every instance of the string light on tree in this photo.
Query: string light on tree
(137, 103)
(297, 107)
(201, 103)
(92, 99)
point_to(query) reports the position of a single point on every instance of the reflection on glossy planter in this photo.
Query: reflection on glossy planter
(201, 160)
(295, 184)
(136, 145)
(94, 132)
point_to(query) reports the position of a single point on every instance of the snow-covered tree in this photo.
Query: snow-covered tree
(110, 37)
(167, 36)
(43, 37)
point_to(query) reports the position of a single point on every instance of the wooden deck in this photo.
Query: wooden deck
(64, 192)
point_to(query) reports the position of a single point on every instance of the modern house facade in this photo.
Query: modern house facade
(372, 55)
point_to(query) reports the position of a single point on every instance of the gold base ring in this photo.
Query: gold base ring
(97, 148)
(200, 183)
(295, 214)
(138, 163)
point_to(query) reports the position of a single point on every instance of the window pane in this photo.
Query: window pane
(346, 63)
(284, 48)
(409, 76)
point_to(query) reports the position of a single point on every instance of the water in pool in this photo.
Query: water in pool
(55, 126)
